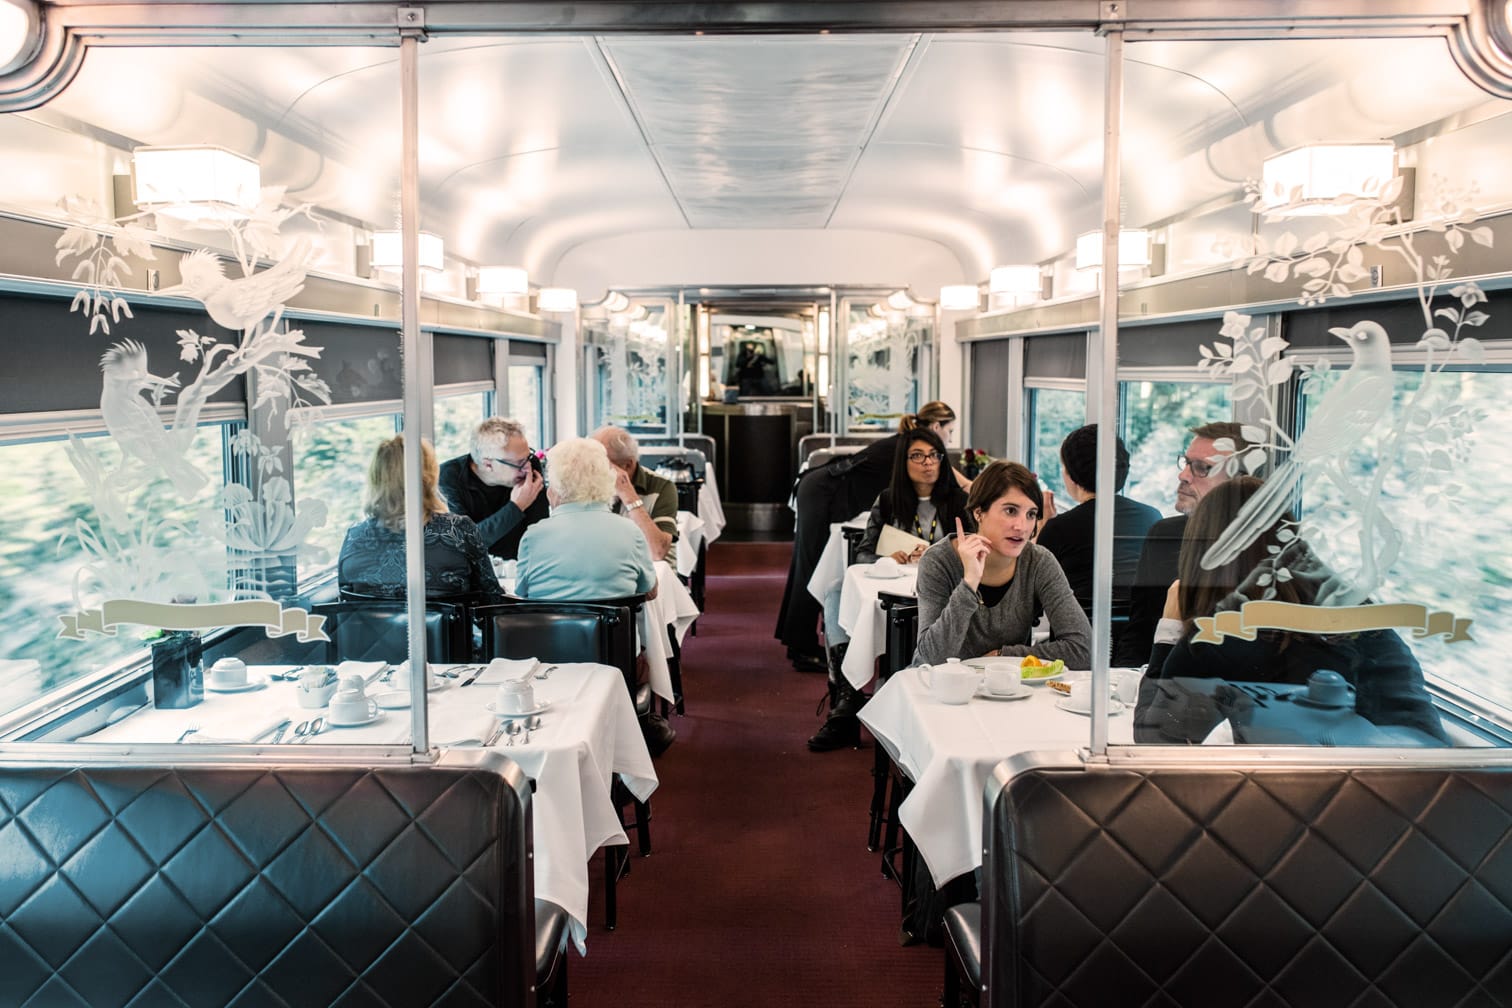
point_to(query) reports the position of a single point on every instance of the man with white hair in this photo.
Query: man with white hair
(498, 485)
(649, 500)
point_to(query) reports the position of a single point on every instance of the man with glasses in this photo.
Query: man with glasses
(498, 485)
(1198, 470)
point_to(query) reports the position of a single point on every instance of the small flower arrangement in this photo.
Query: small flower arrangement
(973, 461)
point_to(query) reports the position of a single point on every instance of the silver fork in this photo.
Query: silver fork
(188, 732)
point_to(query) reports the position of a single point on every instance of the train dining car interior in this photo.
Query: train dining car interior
(447, 450)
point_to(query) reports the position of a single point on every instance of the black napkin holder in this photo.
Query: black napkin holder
(178, 671)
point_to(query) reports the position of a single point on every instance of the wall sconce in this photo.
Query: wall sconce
(556, 299)
(960, 297)
(503, 280)
(899, 301)
(198, 184)
(616, 302)
(1324, 178)
(1133, 249)
(1012, 286)
(388, 251)
(20, 34)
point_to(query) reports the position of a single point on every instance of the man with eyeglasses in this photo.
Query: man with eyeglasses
(498, 485)
(1198, 470)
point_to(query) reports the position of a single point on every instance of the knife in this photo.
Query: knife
(469, 680)
(493, 736)
(276, 731)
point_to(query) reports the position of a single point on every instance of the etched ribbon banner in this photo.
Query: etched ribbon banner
(277, 620)
(1257, 615)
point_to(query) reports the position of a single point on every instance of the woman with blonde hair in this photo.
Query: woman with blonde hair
(372, 556)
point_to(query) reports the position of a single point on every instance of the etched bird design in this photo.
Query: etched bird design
(241, 303)
(133, 421)
(1345, 415)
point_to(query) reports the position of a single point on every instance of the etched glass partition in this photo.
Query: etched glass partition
(630, 368)
(1336, 565)
(885, 353)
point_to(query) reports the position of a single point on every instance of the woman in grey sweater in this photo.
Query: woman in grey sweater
(980, 593)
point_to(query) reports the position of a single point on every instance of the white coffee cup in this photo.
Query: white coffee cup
(515, 698)
(1002, 677)
(351, 703)
(227, 673)
(1126, 685)
(950, 683)
(885, 566)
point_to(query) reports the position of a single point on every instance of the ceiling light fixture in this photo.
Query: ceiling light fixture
(1324, 178)
(557, 299)
(1133, 249)
(20, 34)
(960, 297)
(198, 184)
(503, 280)
(388, 252)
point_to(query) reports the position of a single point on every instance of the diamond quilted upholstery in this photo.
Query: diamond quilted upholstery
(1337, 887)
(263, 886)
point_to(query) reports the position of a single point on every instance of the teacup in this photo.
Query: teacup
(951, 683)
(1080, 697)
(1001, 677)
(1126, 685)
(316, 685)
(351, 702)
(515, 698)
(885, 566)
(227, 673)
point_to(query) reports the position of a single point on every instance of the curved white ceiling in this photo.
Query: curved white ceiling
(989, 145)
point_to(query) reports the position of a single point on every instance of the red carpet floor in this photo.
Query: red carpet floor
(760, 890)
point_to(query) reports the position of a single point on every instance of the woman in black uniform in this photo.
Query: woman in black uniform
(832, 493)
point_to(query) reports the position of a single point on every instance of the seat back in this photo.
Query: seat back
(561, 632)
(824, 456)
(702, 443)
(370, 630)
(253, 884)
(690, 461)
(1204, 885)
(810, 443)
(902, 632)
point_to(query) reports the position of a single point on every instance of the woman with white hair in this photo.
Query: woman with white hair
(583, 551)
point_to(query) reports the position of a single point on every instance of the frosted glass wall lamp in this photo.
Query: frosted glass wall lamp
(1012, 286)
(616, 302)
(503, 280)
(1324, 178)
(557, 299)
(960, 297)
(197, 184)
(388, 251)
(1133, 249)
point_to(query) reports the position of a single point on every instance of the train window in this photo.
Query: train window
(57, 557)
(456, 417)
(1447, 495)
(1053, 413)
(331, 460)
(526, 383)
(1155, 420)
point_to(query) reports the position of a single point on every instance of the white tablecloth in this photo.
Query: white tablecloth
(864, 620)
(690, 535)
(673, 610)
(831, 566)
(588, 734)
(710, 507)
(949, 752)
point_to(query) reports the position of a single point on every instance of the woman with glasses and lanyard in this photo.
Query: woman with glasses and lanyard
(924, 500)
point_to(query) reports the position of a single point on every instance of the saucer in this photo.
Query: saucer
(883, 575)
(540, 706)
(1041, 680)
(392, 699)
(331, 721)
(1115, 707)
(246, 687)
(1015, 694)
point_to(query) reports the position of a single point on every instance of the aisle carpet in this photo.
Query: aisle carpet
(760, 890)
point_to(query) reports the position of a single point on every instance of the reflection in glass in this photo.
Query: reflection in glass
(886, 359)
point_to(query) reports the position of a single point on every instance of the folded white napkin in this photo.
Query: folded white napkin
(1222, 734)
(502, 670)
(261, 734)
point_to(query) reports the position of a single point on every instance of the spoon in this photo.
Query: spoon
(511, 728)
(531, 723)
(316, 727)
(545, 673)
(300, 731)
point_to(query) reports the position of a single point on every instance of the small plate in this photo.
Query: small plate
(883, 575)
(988, 661)
(1040, 680)
(1018, 694)
(540, 706)
(246, 687)
(392, 699)
(1116, 707)
(331, 722)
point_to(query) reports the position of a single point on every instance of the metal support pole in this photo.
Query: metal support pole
(1102, 391)
(412, 351)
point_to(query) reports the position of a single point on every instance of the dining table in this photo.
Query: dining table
(862, 617)
(829, 571)
(587, 733)
(950, 750)
(691, 535)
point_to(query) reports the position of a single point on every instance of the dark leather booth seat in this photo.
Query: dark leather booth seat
(1213, 886)
(200, 883)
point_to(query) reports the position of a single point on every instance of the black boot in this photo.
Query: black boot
(841, 729)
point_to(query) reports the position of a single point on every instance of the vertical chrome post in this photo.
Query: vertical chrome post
(414, 371)
(1102, 392)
